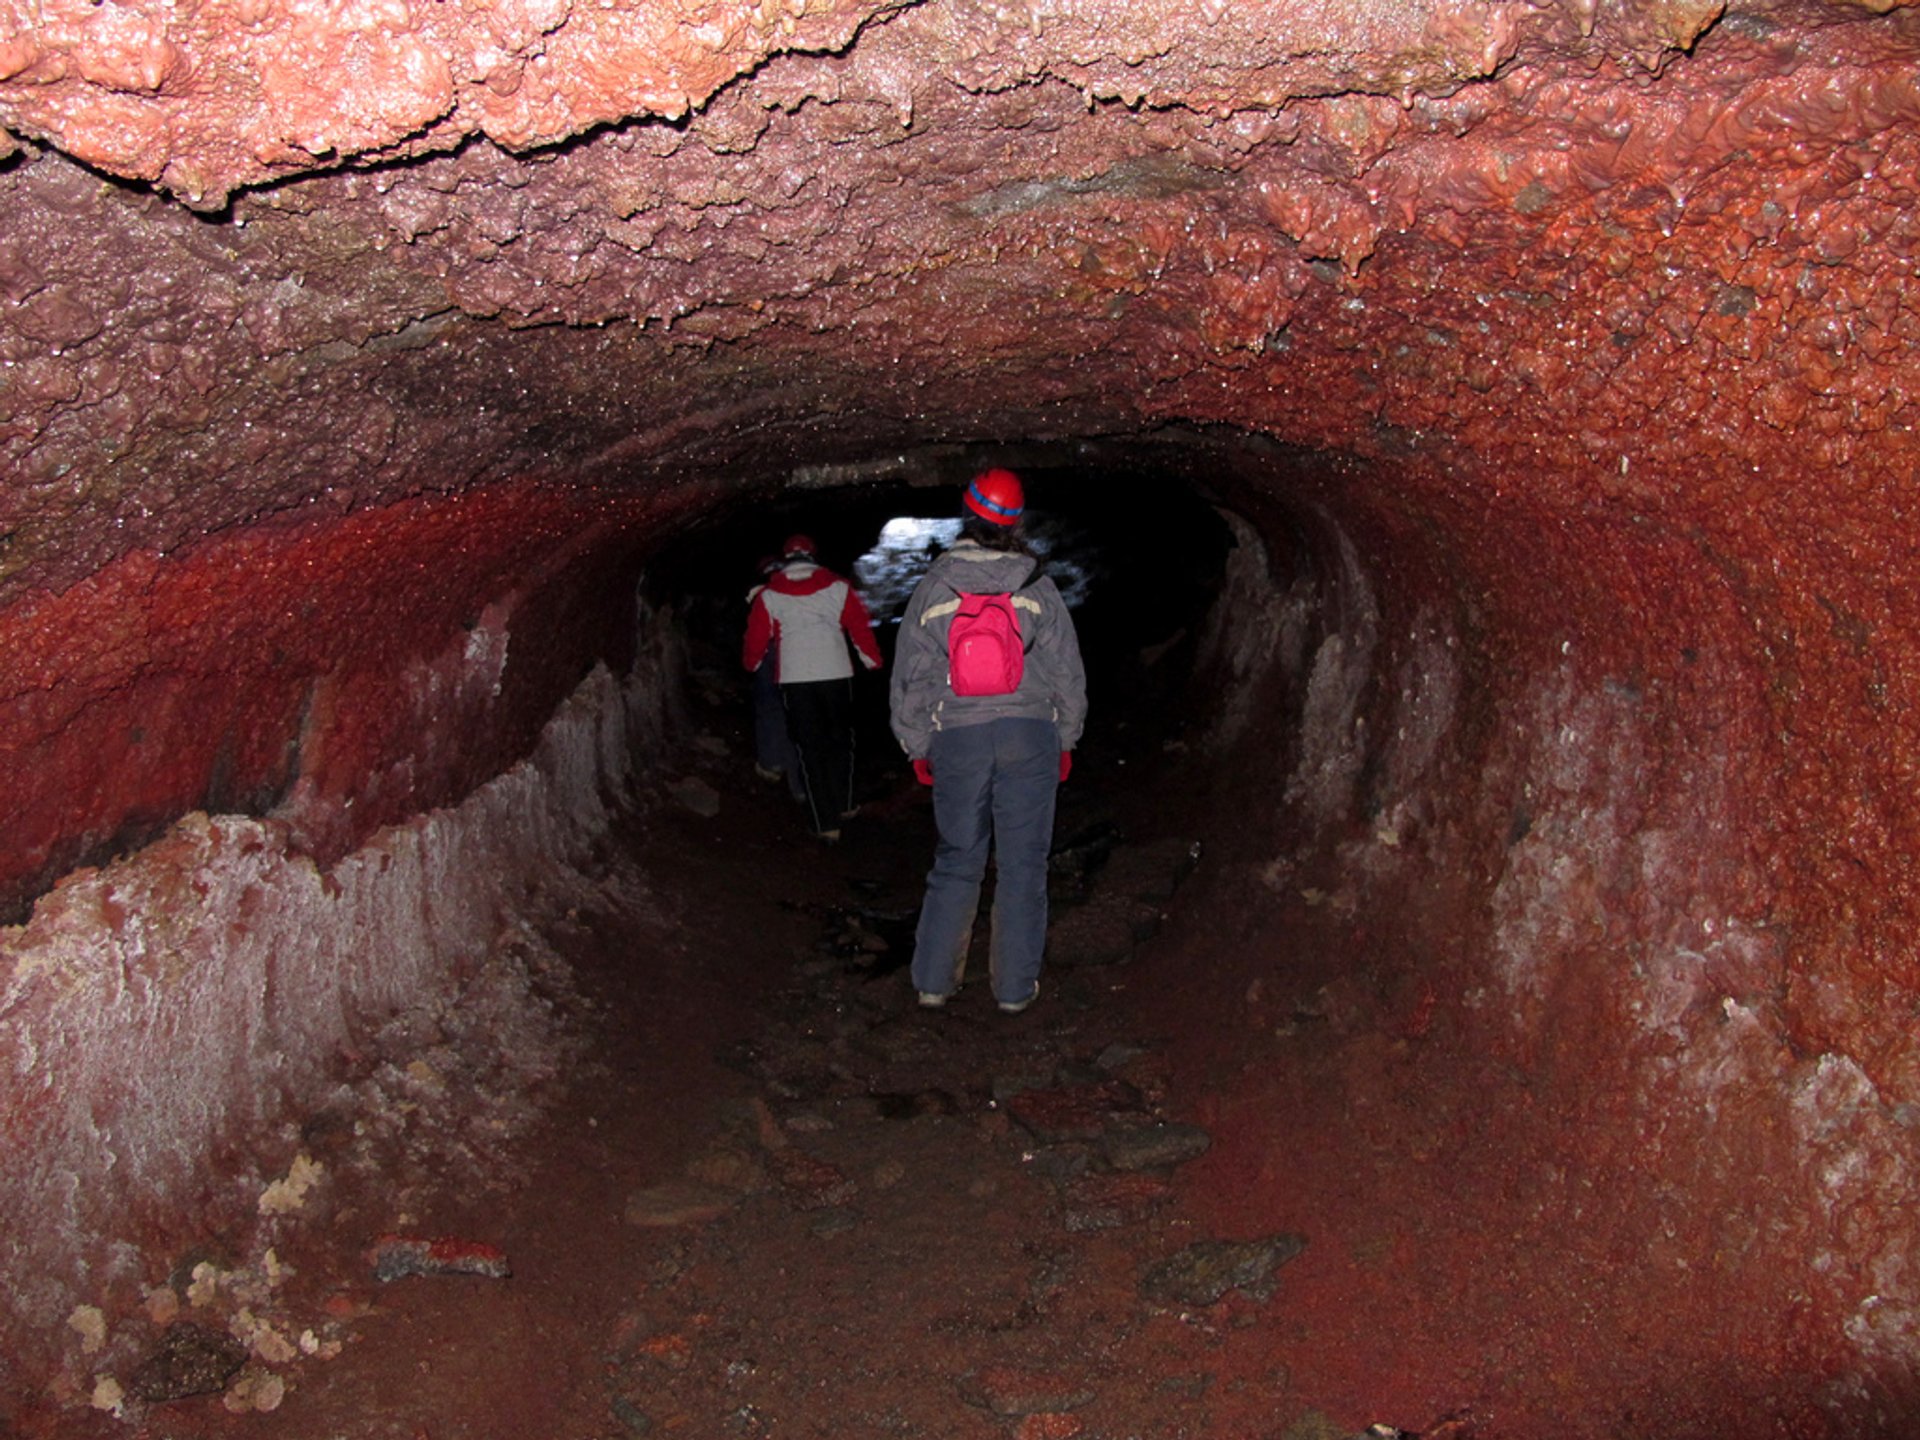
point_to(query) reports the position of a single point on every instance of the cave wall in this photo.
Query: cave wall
(1510, 921)
(325, 335)
(174, 1017)
(345, 676)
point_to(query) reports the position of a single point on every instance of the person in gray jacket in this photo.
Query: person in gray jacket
(995, 759)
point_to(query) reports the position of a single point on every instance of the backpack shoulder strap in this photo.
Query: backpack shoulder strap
(1023, 601)
(943, 607)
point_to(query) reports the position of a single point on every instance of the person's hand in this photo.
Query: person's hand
(1066, 765)
(923, 770)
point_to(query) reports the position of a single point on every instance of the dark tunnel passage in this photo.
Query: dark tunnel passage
(1482, 998)
(1138, 555)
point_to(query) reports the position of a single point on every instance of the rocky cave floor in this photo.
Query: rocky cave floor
(769, 1195)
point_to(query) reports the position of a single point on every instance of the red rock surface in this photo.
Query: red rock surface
(1564, 356)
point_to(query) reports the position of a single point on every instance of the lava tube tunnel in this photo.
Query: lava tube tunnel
(1476, 443)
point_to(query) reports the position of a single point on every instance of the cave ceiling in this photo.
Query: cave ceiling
(265, 255)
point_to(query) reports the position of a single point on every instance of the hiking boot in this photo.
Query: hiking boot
(770, 776)
(931, 1001)
(830, 836)
(1014, 1007)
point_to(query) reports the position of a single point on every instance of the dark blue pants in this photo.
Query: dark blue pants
(994, 787)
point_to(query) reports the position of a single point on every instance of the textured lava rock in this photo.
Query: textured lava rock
(397, 1256)
(189, 1360)
(1562, 356)
(1205, 1271)
(1150, 1147)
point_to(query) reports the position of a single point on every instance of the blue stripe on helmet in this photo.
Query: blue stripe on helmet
(973, 494)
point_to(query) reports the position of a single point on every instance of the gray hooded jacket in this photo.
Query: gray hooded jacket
(1054, 686)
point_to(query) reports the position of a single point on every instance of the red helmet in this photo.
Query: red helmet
(799, 545)
(996, 496)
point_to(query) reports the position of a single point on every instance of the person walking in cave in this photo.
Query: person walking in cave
(804, 617)
(988, 699)
(773, 757)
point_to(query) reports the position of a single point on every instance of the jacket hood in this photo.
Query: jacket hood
(977, 570)
(802, 577)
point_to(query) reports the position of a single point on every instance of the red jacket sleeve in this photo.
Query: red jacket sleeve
(859, 627)
(759, 634)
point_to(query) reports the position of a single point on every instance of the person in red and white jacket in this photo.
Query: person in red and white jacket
(806, 616)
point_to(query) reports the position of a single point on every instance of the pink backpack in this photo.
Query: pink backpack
(985, 655)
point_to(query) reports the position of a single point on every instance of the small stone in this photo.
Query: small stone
(260, 1391)
(1133, 1191)
(1057, 1164)
(204, 1284)
(312, 1345)
(1313, 1425)
(1202, 1273)
(266, 1342)
(107, 1395)
(765, 1127)
(812, 1184)
(1078, 1072)
(917, 1104)
(1048, 1425)
(1105, 1202)
(396, 1256)
(1153, 1147)
(729, 1169)
(1081, 1112)
(288, 1194)
(1055, 1273)
(680, 1202)
(189, 1360)
(89, 1322)
(632, 1418)
(1188, 1387)
(693, 793)
(1118, 1056)
(1005, 1087)
(887, 1174)
(163, 1305)
(268, 1394)
(1092, 1220)
(1011, 1390)
(674, 1350)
